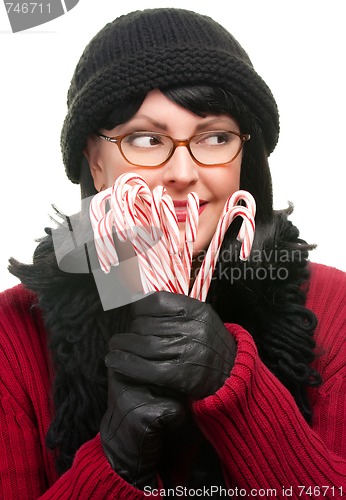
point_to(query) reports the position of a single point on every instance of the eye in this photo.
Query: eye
(215, 138)
(144, 140)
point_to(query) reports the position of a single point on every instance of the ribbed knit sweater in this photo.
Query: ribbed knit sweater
(266, 447)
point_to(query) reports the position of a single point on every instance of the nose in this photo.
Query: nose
(181, 171)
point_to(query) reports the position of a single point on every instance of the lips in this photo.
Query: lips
(181, 208)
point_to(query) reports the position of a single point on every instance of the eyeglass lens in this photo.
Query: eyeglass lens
(152, 149)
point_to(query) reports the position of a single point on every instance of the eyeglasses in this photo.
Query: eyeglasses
(152, 149)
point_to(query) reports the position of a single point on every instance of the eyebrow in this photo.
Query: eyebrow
(152, 120)
(217, 119)
(163, 126)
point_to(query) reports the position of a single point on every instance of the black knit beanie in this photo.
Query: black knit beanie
(158, 48)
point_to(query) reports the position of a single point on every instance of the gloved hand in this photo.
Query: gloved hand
(132, 429)
(176, 343)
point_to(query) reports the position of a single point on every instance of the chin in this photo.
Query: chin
(200, 248)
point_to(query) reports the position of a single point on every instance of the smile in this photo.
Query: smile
(180, 207)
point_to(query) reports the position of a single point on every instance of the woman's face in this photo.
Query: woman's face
(181, 174)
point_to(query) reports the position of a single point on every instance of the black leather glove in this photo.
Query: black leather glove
(176, 343)
(133, 428)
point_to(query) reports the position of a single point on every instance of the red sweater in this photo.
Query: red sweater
(252, 421)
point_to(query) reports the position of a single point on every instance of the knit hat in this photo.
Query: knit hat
(158, 48)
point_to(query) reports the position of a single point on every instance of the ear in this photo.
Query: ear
(93, 155)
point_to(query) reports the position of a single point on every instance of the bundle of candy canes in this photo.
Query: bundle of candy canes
(148, 220)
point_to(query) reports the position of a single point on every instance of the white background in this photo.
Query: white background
(297, 46)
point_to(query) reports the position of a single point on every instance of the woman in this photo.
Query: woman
(242, 396)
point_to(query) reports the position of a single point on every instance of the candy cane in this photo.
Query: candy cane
(250, 204)
(148, 220)
(102, 228)
(119, 190)
(162, 248)
(191, 227)
(131, 204)
(170, 228)
(201, 285)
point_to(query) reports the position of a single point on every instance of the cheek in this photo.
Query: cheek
(115, 165)
(224, 182)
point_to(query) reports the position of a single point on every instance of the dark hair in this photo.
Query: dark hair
(273, 310)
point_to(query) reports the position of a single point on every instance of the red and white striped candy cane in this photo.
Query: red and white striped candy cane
(191, 227)
(202, 283)
(102, 229)
(148, 220)
(250, 204)
(119, 204)
(132, 218)
(170, 228)
(159, 230)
